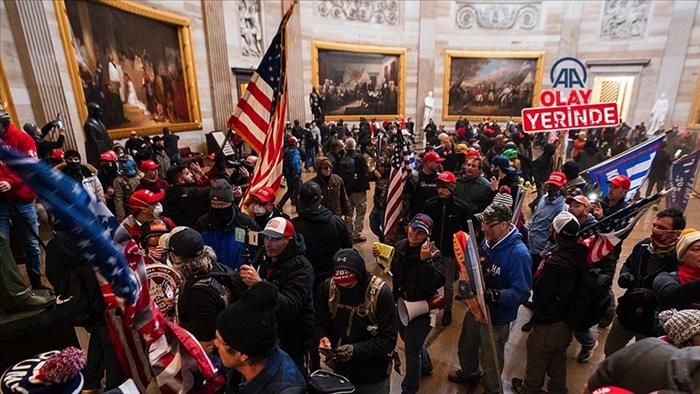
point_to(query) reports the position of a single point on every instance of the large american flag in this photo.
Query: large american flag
(602, 237)
(400, 171)
(260, 115)
(147, 345)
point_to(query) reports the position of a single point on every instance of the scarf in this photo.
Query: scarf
(687, 273)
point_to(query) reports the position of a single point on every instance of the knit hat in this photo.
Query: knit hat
(50, 372)
(250, 325)
(183, 242)
(504, 197)
(680, 326)
(688, 237)
(462, 148)
(221, 191)
(566, 224)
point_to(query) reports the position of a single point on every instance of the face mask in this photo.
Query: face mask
(259, 210)
(157, 254)
(662, 239)
(73, 166)
(157, 210)
(222, 215)
(552, 193)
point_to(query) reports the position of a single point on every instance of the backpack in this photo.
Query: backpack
(220, 278)
(347, 171)
(368, 308)
(75, 306)
(591, 299)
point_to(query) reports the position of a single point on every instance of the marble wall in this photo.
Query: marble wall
(657, 42)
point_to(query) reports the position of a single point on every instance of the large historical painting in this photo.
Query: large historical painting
(136, 62)
(491, 84)
(359, 81)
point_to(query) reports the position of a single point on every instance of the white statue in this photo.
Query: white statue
(429, 108)
(658, 114)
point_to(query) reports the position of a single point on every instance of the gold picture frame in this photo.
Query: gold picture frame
(694, 115)
(6, 98)
(357, 81)
(496, 85)
(135, 46)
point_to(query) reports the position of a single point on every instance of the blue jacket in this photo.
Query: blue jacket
(222, 238)
(507, 267)
(538, 235)
(293, 158)
(279, 373)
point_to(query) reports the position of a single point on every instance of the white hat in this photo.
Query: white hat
(565, 223)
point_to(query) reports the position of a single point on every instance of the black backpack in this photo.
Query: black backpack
(78, 302)
(348, 172)
(591, 299)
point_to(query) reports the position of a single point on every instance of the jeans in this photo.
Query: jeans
(618, 337)
(358, 209)
(310, 157)
(101, 359)
(475, 346)
(29, 243)
(376, 222)
(585, 338)
(417, 357)
(293, 186)
(546, 353)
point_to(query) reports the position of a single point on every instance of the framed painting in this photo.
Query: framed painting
(356, 81)
(134, 61)
(694, 115)
(494, 85)
(6, 103)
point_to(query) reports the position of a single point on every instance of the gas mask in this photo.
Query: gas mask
(259, 210)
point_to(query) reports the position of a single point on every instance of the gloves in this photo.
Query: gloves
(436, 302)
(626, 280)
(492, 296)
(344, 352)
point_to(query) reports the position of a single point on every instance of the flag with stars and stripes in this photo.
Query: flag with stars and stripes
(401, 170)
(635, 163)
(602, 237)
(260, 115)
(147, 345)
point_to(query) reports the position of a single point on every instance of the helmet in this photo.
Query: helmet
(151, 228)
(94, 110)
(109, 156)
(510, 145)
(511, 154)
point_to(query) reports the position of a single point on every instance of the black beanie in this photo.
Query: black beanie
(250, 325)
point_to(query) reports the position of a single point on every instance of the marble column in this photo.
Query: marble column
(295, 65)
(219, 70)
(426, 66)
(29, 24)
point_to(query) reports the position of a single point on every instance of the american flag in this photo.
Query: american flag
(400, 171)
(602, 237)
(147, 344)
(260, 115)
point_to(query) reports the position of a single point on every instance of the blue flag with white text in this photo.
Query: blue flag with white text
(681, 176)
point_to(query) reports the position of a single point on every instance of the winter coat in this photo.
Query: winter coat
(415, 279)
(293, 158)
(185, 204)
(419, 188)
(200, 302)
(324, 234)
(589, 157)
(88, 179)
(333, 190)
(507, 266)
(124, 187)
(222, 237)
(475, 192)
(370, 359)
(159, 185)
(672, 294)
(449, 216)
(381, 188)
(361, 169)
(22, 142)
(542, 166)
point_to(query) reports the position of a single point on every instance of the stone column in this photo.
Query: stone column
(426, 66)
(295, 65)
(36, 54)
(219, 70)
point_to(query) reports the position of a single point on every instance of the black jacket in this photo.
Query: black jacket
(554, 287)
(415, 279)
(672, 294)
(361, 169)
(635, 311)
(324, 234)
(201, 300)
(449, 216)
(417, 190)
(371, 354)
(262, 220)
(185, 204)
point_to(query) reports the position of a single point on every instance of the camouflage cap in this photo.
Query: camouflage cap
(496, 212)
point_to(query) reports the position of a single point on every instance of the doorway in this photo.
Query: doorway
(614, 89)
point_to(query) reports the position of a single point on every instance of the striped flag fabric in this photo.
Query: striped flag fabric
(147, 344)
(260, 115)
(401, 170)
(602, 237)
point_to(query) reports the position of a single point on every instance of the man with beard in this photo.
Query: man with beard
(151, 180)
(184, 202)
(472, 187)
(225, 228)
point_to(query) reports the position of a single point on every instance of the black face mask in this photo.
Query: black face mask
(73, 167)
(249, 168)
(222, 216)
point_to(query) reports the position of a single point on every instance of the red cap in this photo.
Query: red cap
(142, 198)
(622, 181)
(556, 178)
(610, 390)
(211, 157)
(461, 131)
(344, 277)
(266, 194)
(57, 155)
(292, 141)
(473, 153)
(133, 133)
(447, 177)
(581, 199)
(432, 156)
(109, 156)
(148, 165)
(278, 227)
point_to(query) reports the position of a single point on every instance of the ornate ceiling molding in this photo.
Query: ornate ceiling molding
(494, 16)
(368, 11)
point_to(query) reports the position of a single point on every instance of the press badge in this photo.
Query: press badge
(253, 238)
(240, 235)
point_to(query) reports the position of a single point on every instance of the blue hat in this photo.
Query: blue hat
(503, 163)
(422, 221)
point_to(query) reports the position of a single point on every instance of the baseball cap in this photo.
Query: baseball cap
(153, 227)
(266, 194)
(565, 223)
(148, 165)
(581, 199)
(503, 163)
(292, 141)
(447, 177)
(432, 156)
(182, 241)
(495, 212)
(109, 156)
(556, 178)
(622, 181)
(309, 196)
(57, 155)
(278, 227)
(422, 221)
(142, 198)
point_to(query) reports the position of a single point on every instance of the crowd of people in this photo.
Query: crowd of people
(272, 298)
